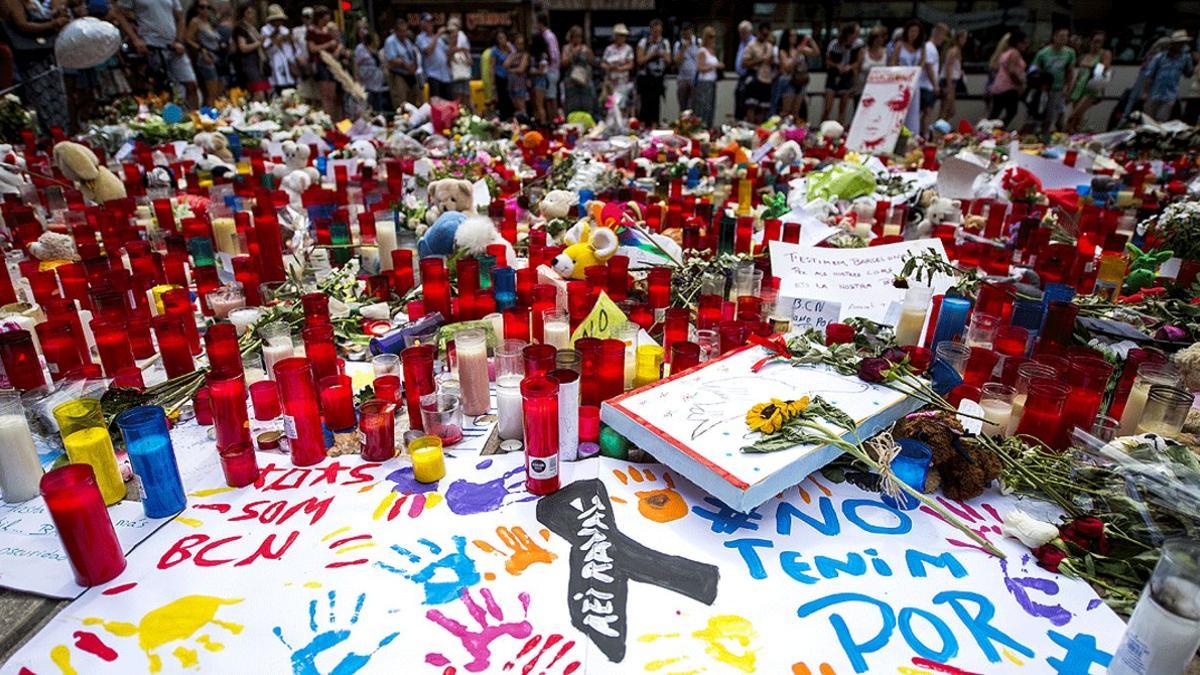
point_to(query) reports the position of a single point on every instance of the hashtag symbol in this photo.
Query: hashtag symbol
(724, 519)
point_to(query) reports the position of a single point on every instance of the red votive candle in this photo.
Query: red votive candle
(708, 313)
(140, 341)
(612, 368)
(749, 308)
(1011, 341)
(176, 303)
(597, 280)
(839, 333)
(20, 360)
(337, 402)
(1088, 378)
(980, 365)
(113, 346)
(545, 297)
(320, 350)
(58, 346)
(270, 247)
(129, 378)
(228, 399)
(526, 280)
(415, 309)
(435, 286)
(173, 344)
(658, 290)
(579, 300)
(540, 403)
(302, 415)
(1059, 326)
(387, 388)
(417, 365)
(732, 334)
(589, 424)
(239, 464)
(618, 278)
(684, 355)
(516, 323)
(1042, 417)
(589, 349)
(264, 398)
(73, 499)
(403, 278)
(316, 308)
(538, 359)
(377, 430)
(202, 406)
(676, 323)
(221, 345)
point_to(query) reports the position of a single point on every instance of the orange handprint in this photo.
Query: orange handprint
(523, 551)
(662, 505)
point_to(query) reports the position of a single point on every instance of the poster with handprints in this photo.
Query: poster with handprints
(352, 567)
(696, 423)
(888, 97)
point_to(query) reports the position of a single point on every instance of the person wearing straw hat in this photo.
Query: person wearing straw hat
(617, 63)
(280, 48)
(1163, 74)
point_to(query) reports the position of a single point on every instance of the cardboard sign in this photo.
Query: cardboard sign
(806, 313)
(889, 95)
(859, 278)
(604, 318)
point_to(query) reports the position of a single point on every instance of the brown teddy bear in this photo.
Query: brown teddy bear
(961, 467)
(449, 194)
(81, 166)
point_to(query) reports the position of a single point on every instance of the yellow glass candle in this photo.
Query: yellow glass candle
(649, 365)
(429, 464)
(225, 236)
(87, 441)
(1110, 276)
(745, 192)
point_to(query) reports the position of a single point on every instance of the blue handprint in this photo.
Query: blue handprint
(303, 659)
(457, 562)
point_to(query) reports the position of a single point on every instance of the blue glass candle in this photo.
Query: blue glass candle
(952, 320)
(1028, 314)
(1057, 293)
(911, 465)
(153, 458)
(504, 287)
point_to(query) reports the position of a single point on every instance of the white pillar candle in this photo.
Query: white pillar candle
(20, 470)
(1135, 405)
(511, 422)
(557, 334)
(470, 346)
(998, 414)
(1158, 640)
(274, 351)
(1018, 409)
(568, 418)
(385, 238)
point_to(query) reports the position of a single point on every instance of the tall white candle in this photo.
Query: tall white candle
(470, 346)
(385, 238)
(998, 414)
(511, 423)
(274, 351)
(568, 419)
(1018, 409)
(1158, 640)
(20, 470)
(1135, 405)
(557, 333)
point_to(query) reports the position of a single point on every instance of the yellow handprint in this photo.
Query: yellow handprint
(726, 639)
(523, 551)
(662, 505)
(175, 621)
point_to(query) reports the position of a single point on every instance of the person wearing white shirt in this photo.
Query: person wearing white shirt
(403, 65)
(433, 58)
(931, 76)
(684, 56)
(280, 49)
(708, 66)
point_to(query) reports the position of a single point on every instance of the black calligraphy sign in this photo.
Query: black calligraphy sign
(604, 561)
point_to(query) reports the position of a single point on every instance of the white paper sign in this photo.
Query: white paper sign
(956, 177)
(806, 313)
(888, 96)
(1054, 174)
(812, 230)
(859, 278)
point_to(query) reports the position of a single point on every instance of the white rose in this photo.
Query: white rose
(1027, 529)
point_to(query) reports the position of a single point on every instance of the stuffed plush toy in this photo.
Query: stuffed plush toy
(831, 131)
(214, 143)
(558, 204)
(586, 247)
(295, 158)
(80, 165)
(960, 467)
(788, 153)
(941, 211)
(54, 246)
(12, 172)
(364, 151)
(449, 195)
(454, 231)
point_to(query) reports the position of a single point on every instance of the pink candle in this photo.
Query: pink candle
(471, 348)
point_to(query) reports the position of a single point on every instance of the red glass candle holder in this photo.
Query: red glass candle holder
(839, 333)
(302, 414)
(316, 309)
(113, 346)
(676, 324)
(270, 247)
(1059, 327)
(732, 334)
(658, 287)
(403, 276)
(81, 519)
(708, 313)
(545, 297)
(228, 401)
(540, 404)
(377, 430)
(239, 464)
(264, 399)
(980, 365)
(221, 345)
(919, 358)
(539, 359)
(589, 350)
(526, 280)
(612, 368)
(58, 346)
(1088, 378)
(177, 304)
(173, 345)
(1011, 341)
(417, 365)
(20, 359)
(1042, 416)
(202, 407)
(516, 323)
(387, 388)
(684, 355)
(337, 401)
(129, 378)
(435, 286)
(320, 349)
(618, 278)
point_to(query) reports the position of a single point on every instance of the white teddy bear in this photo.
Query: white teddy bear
(788, 153)
(558, 204)
(832, 130)
(295, 158)
(12, 171)
(54, 246)
(941, 211)
(363, 150)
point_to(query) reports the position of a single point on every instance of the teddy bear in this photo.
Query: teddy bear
(80, 166)
(449, 195)
(960, 467)
(558, 204)
(831, 131)
(940, 211)
(364, 151)
(295, 158)
(454, 231)
(12, 171)
(586, 247)
(54, 246)
(788, 153)
(214, 143)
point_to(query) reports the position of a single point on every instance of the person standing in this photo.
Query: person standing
(368, 66)
(1093, 71)
(1008, 83)
(323, 36)
(745, 37)
(653, 58)
(205, 45)
(458, 56)
(759, 60)
(30, 30)
(952, 75)
(281, 51)
(1162, 81)
(579, 92)
(708, 66)
(548, 82)
(500, 52)
(248, 53)
(161, 27)
(306, 86)
(931, 77)
(617, 64)
(403, 65)
(517, 65)
(1057, 61)
(433, 58)
(841, 59)
(684, 58)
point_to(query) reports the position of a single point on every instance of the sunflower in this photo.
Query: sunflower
(767, 417)
(795, 407)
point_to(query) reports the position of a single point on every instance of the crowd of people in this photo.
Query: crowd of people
(202, 52)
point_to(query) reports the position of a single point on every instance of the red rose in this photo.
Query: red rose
(1089, 528)
(873, 369)
(1049, 556)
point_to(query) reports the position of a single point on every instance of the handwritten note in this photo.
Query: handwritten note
(604, 318)
(860, 279)
(807, 313)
